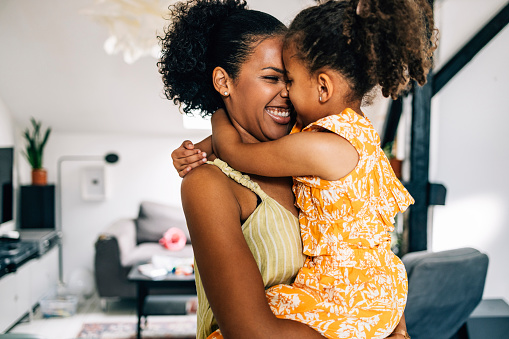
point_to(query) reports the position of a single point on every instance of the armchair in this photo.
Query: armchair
(443, 290)
(128, 242)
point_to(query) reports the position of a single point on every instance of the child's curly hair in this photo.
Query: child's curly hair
(376, 42)
(202, 35)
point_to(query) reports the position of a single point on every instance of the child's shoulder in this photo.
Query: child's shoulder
(347, 124)
(348, 118)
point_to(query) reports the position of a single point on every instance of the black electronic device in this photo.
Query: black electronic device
(45, 239)
(14, 254)
(6, 187)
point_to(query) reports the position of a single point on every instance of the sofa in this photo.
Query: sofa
(443, 290)
(129, 242)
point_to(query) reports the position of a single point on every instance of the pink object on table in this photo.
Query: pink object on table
(173, 239)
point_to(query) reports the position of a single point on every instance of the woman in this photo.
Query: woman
(240, 226)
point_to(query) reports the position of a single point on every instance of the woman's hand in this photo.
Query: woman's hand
(399, 330)
(187, 157)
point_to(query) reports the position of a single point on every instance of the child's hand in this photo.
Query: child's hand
(185, 158)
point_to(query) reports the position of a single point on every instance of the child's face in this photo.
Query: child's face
(302, 88)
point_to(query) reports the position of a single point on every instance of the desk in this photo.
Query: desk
(173, 284)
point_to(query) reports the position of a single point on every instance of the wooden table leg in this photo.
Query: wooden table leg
(140, 300)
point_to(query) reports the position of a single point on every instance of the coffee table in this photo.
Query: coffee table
(172, 284)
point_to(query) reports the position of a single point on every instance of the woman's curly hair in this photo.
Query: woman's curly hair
(202, 35)
(377, 42)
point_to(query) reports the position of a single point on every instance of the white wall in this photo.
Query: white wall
(469, 145)
(144, 172)
(6, 126)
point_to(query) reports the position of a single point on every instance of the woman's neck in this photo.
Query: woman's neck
(246, 136)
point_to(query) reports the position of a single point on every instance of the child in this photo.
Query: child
(352, 285)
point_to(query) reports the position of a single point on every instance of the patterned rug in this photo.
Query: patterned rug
(183, 327)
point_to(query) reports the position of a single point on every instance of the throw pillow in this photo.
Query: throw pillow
(174, 239)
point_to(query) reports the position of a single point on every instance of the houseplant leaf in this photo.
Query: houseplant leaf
(35, 145)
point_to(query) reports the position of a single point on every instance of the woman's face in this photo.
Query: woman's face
(258, 104)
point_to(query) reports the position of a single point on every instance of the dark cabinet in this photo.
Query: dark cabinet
(37, 206)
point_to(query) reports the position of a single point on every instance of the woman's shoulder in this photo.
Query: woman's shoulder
(206, 173)
(205, 180)
(206, 192)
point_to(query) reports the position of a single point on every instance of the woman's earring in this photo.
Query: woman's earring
(225, 94)
(320, 98)
(362, 9)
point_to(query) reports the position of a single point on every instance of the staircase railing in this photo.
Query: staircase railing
(428, 194)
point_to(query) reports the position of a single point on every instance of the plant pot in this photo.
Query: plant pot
(39, 177)
(396, 166)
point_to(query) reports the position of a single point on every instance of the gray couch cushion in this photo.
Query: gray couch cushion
(144, 252)
(154, 219)
(443, 289)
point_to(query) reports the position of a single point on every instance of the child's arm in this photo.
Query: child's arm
(326, 155)
(189, 155)
(205, 145)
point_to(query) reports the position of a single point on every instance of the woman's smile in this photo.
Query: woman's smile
(280, 114)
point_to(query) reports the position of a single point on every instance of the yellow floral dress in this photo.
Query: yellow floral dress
(352, 285)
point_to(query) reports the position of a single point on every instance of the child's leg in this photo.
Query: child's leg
(287, 299)
(356, 303)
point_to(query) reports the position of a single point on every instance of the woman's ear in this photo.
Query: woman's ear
(221, 81)
(325, 87)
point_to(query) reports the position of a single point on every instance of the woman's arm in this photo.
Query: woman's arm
(326, 155)
(229, 273)
(189, 155)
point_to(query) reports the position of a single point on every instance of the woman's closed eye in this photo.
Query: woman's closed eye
(273, 78)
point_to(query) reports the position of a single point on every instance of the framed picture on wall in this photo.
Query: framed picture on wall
(93, 183)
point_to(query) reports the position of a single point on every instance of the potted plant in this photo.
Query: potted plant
(36, 140)
(395, 163)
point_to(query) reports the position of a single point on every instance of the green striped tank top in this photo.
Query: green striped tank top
(273, 236)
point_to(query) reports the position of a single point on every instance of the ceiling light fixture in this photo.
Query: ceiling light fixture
(133, 25)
